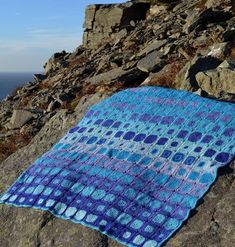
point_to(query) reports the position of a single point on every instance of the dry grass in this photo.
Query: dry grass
(44, 85)
(233, 7)
(232, 52)
(166, 77)
(201, 5)
(12, 144)
(14, 93)
(77, 61)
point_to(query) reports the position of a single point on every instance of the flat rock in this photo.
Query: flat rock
(19, 118)
(117, 74)
(154, 45)
(151, 62)
(106, 77)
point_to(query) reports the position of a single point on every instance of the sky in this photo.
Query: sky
(32, 30)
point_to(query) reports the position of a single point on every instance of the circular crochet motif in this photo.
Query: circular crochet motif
(134, 166)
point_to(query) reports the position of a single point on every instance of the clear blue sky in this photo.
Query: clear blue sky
(32, 30)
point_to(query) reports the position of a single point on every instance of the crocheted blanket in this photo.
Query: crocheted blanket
(134, 166)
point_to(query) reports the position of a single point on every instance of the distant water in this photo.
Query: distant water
(10, 81)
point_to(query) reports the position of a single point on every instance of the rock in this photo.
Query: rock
(120, 35)
(165, 77)
(224, 213)
(118, 75)
(229, 35)
(219, 82)
(53, 105)
(104, 21)
(65, 96)
(157, 9)
(201, 40)
(132, 77)
(198, 92)
(55, 62)
(39, 77)
(153, 46)
(40, 228)
(196, 18)
(186, 78)
(218, 50)
(184, 53)
(19, 118)
(200, 230)
(106, 77)
(151, 62)
(213, 3)
(116, 58)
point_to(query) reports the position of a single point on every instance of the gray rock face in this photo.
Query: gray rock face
(39, 77)
(154, 45)
(150, 62)
(186, 79)
(219, 82)
(19, 118)
(198, 19)
(105, 22)
(55, 62)
(117, 74)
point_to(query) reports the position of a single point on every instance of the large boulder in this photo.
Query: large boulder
(19, 118)
(219, 82)
(186, 78)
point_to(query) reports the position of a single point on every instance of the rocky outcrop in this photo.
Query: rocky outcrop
(57, 61)
(110, 23)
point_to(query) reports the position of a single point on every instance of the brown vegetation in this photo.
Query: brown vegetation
(12, 144)
(233, 7)
(166, 77)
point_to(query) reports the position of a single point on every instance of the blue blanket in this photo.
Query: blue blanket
(134, 166)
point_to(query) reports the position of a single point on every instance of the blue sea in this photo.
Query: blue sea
(10, 81)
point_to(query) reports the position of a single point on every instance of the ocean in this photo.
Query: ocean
(10, 81)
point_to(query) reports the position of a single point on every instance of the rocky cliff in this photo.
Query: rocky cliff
(186, 45)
